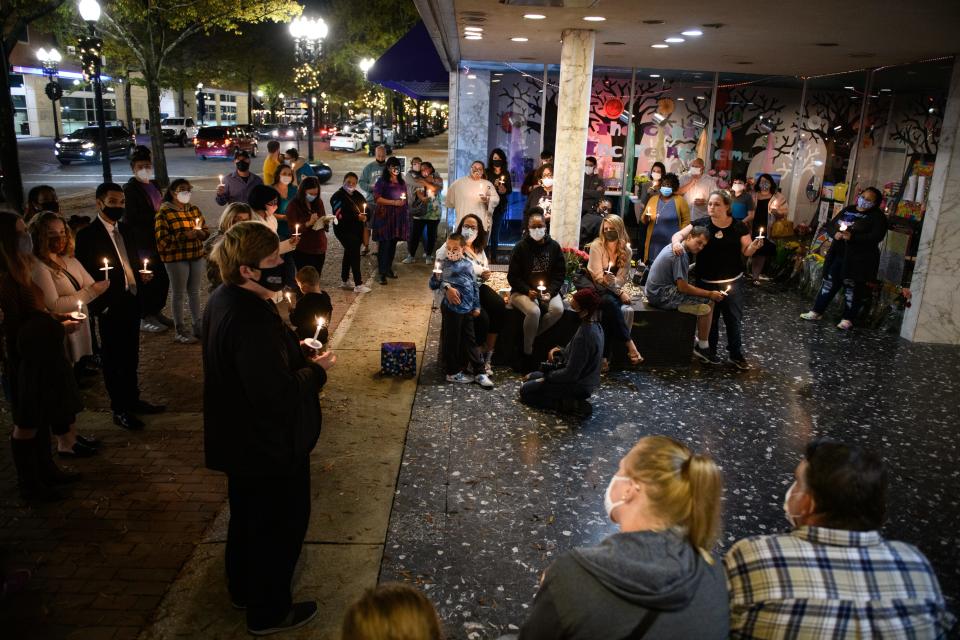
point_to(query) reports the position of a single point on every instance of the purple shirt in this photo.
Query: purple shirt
(153, 193)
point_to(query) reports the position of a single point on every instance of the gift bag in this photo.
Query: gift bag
(398, 359)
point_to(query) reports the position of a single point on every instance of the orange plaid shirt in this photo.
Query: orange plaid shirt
(171, 225)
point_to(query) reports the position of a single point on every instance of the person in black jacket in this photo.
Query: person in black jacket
(536, 262)
(498, 173)
(853, 258)
(261, 419)
(108, 242)
(313, 304)
(142, 201)
(349, 207)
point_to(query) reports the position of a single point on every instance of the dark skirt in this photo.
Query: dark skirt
(46, 389)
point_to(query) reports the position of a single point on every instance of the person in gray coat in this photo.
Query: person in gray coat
(656, 577)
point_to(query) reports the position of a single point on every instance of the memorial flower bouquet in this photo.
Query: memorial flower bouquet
(574, 260)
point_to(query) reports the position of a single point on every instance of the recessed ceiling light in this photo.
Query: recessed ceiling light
(476, 36)
(850, 88)
(701, 97)
(473, 28)
(594, 18)
(886, 89)
(660, 46)
(692, 33)
(495, 80)
(472, 76)
(654, 75)
(681, 99)
(498, 74)
(534, 16)
(675, 40)
(518, 39)
(653, 22)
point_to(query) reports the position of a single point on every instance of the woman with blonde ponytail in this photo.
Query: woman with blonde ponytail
(657, 577)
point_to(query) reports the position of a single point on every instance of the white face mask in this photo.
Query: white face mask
(538, 233)
(145, 175)
(469, 233)
(589, 170)
(695, 171)
(655, 176)
(547, 182)
(737, 188)
(792, 519)
(608, 504)
(286, 179)
(183, 196)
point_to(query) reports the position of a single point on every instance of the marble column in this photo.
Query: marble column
(573, 119)
(934, 315)
(469, 121)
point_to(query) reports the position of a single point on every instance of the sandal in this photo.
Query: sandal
(635, 359)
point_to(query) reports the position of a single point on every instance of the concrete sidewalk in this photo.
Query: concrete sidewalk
(354, 472)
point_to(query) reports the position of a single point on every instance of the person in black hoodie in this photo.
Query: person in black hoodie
(536, 261)
(657, 577)
(349, 207)
(315, 303)
(853, 258)
(261, 419)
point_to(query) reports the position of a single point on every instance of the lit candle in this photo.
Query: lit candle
(843, 226)
(106, 267)
(196, 223)
(726, 291)
(296, 231)
(145, 270)
(403, 196)
(542, 289)
(436, 267)
(287, 296)
(78, 314)
(610, 267)
(79, 307)
(221, 179)
(316, 334)
(760, 237)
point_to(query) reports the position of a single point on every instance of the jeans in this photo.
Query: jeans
(351, 258)
(386, 252)
(314, 260)
(853, 292)
(460, 351)
(185, 279)
(731, 309)
(613, 322)
(417, 227)
(541, 394)
(533, 323)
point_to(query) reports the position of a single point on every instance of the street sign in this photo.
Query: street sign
(290, 111)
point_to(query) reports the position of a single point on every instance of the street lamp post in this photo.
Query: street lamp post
(365, 65)
(50, 60)
(308, 35)
(91, 51)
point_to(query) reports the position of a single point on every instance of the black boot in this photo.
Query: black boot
(28, 475)
(49, 472)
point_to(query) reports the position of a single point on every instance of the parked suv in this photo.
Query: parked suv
(223, 142)
(83, 145)
(178, 130)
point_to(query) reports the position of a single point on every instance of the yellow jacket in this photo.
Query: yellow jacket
(650, 218)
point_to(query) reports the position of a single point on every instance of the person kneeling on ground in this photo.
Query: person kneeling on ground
(461, 305)
(575, 370)
(392, 611)
(314, 305)
(667, 286)
(834, 576)
(656, 578)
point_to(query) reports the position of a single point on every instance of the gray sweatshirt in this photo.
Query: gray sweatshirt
(583, 355)
(604, 592)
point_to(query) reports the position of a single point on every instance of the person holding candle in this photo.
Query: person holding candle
(766, 200)
(609, 268)
(665, 214)
(368, 177)
(536, 261)
(238, 185)
(300, 166)
(696, 187)
(720, 268)
(391, 220)
(593, 187)
(307, 217)
(459, 310)
(265, 201)
(349, 208)
(474, 194)
(314, 303)
(181, 231)
(426, 207)
(234, 212)
(541, 195)
(498, 174)
(261, 420)
(533, 176)
(287, 191)
(853, 257)
(117, 310)
(41, 198)
(743, 202)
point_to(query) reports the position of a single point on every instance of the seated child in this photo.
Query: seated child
(461, 304)
(314, 303)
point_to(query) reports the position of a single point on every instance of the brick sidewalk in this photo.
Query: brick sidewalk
(103, 558)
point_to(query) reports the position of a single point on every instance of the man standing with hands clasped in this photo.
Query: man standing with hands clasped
(261, 420)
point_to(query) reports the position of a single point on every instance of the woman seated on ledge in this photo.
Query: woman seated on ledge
(573, 372)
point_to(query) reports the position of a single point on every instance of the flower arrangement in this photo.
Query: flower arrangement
(573, 260)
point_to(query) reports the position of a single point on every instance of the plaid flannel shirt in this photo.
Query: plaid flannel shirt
(832, 583)
(172, 244)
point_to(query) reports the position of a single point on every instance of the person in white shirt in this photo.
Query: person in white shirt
(696, 187)
(473, 194)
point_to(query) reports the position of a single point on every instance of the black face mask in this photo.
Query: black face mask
(610, 235)
(243, 165)
(271, 278)
(497, 163)
(113, 213)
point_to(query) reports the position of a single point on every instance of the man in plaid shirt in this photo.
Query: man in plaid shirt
(834, 576)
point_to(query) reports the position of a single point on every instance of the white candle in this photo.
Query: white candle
(106, 267)
(541, 288)
(196, 223)
(287, 296)
(145, 270)
(403, 196)
(726, 291)
(79, 307)
(843, 226)
(296, 230)
(760, 237)
(436, 267)
(78, 314)
(316, 334)
(221, 179)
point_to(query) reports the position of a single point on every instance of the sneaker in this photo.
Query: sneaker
(704, 355)
(740, 363)
(408, 260)
(361, 288)
(764, 278)
(484, 381)
(845, 325)
(487, 367)
(183, 338)
(694, 309)
(159, 318)
(428, 260)
(460, 378)
(811, 315)
(300, 614)
(346, 285)
(149, 327)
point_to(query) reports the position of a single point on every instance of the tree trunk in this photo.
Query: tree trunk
(152, 81)
(9, 159)
(249, 99)
(128, 100)
(181, 102)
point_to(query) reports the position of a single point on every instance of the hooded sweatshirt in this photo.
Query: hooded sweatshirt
(608, 590)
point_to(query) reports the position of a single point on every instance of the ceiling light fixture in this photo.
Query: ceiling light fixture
(474, 37)
(660, 46)
(850, 88)
(594, 18)
(498, 74)
(494, 80)
(886, 89)
(473, 28)
(681, 99)
(534, 16)
(692, 33)
(675, 40)
(518, 39)
(472, 76)
(654, 75)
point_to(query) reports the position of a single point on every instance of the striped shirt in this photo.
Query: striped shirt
(832, 583)
(172, 223)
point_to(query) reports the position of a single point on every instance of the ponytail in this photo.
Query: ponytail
(706, 486)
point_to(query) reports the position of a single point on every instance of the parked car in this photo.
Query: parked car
(223, 142)
(326, 132)
(179, 130)
(83, 145)
(323, 171)
(347, 142)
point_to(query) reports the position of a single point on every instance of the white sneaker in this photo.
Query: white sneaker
(811, 315)
(427, 259)
(361, 288)
(346, 285)
(845, 325)
(460, 378)
(408, 260)
(484, 381)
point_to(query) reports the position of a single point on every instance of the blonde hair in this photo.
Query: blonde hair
(622, 253)
(392, 612)
(309, 276)
(244, 244)
(41, 240)
(683, 488)
(229, 216)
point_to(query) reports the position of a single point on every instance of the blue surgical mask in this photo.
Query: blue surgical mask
(666, 192)
(311, 197)
(538, 233)
(863, 204)
(348, 188)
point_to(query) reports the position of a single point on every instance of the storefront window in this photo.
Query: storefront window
(228, 114)
(20, 122)
(77, 112)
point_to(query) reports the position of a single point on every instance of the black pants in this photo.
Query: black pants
(386, 252)
(314, 260)
(853, 292)
(289, 270)
(495, 226)
(417, 227)
(268, 521)
(460, 350)
(730, 309)
(614, 325)
(351, 258)
(541, 394)
(492, 312)
(153, 294)
(120, 351)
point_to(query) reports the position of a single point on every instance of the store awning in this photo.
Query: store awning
(412, 67)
